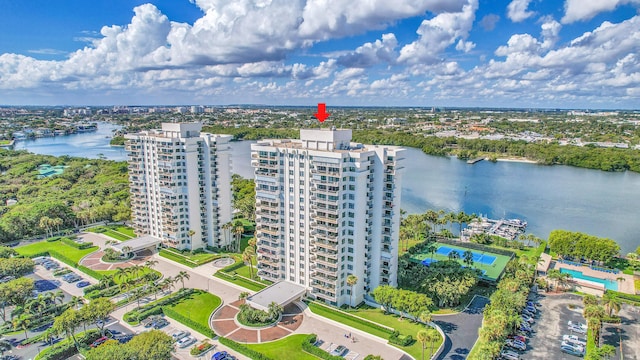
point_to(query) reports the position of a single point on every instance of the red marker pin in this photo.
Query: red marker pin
(322, 113)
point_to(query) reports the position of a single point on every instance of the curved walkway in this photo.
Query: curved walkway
(223, 323)
(461, 329)
(94, 260)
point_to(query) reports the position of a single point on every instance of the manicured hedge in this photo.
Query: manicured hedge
(397, 339)
(177, 258)
(188, 322)
(66, 349)
(80, 246)
(154, 308)
(315, 305)
(307, 345)
(254, 355)
(629, 297)
(237, 265)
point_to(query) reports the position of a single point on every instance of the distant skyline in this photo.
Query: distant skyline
(579, 54)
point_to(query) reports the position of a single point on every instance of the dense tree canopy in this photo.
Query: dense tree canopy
(149, 345)
(582, 246)
(88, 190)
(244, 196)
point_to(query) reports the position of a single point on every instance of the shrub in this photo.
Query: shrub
(401, 340)
(243, 349)
(237, 265)
(66, 349)
(61, 272)
(307, 345)
(52, 239)
(254, 317)
(199, 349)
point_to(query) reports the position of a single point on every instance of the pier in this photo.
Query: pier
(473, 161)
(505, 228)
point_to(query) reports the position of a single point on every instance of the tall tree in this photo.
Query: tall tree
(182, 275)
(422, 336)
(67, 323)
(352, 280)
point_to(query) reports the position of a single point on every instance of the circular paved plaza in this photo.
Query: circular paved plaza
(223, 323)
(94, 260)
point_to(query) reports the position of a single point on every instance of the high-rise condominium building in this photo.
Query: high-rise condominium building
(327, 208)
(180, 185)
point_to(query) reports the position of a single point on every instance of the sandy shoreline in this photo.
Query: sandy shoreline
(518, 160)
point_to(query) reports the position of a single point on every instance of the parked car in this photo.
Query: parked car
(527, 312)
(99, 341)
(516, 344)
(531, 309)
(40, 260)
(220, 355)
(50, 266)
(6, 279)
(83, 283)
(572, 350)
(518, 337)
(509, 355)
(576, 347)
(184, 342)
(160, 323)
(577, 324)
(525, 328)
(339, 351)
(574, 339)
(123, 338)
(113, 333)
(528, 318)
(179, 335)
(73, 279)
(577, 329)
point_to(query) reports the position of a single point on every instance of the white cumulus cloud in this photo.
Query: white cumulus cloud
(581, 10)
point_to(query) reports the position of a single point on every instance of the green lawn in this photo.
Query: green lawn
(5, 142)
(191, 260)
(197, 306)
(289, 348)
(118, 232)
(57, 246)
(492, 271)
(240, 281)
(405, 326)
(637, 284)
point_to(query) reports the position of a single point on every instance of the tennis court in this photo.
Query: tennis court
(477, 257)
(491, 265)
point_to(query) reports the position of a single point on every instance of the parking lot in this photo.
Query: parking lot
(551, 324)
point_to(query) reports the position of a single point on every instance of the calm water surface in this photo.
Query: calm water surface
(548, 197)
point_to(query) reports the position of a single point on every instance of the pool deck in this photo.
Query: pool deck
(627, 286)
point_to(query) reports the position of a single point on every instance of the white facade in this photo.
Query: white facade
(327, 208)
(180, 181)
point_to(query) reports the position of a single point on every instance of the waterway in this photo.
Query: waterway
(547, 197)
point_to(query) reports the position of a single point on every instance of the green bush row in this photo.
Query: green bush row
(66, 349)
(134, 317)
(308, 346)
(98, 293)
(80, 246)
(233, 267)
(252, 354)
(188, 322)
(401, 340)
(356, 319)
(629, 297)
(140, 313)
(177, 258)
(52, 239)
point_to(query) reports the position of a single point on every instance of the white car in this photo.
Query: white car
(574, 339)
(516, 344)
(179, 335)
(577, 329)
(186, 341)
(575, 347)
(509, 355)
(577, 324)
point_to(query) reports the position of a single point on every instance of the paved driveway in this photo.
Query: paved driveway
(461, 329)
(627, 333)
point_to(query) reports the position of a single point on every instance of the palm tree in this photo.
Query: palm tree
(611, 304)
(75, 301)
(227, 226)
(105, 281)
(606, 351)
(167, 283)
(154, 287)
(182, 275)
(136, 270)
(238, 230)
(58, 296)
(422, 337)
(431, 249)
(274, 310)
(191, 233)
(243, 295)
(467, 258)
(122, 274)
(151, 263)
(352, 280)
(126, 250)
(22, 322)
(454, 255)
(432, 337)
(137, 293)
(247, 257)
(425, 317)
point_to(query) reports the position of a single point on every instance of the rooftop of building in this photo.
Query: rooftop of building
(282, 293)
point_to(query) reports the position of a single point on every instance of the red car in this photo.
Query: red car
(99, 341)
(518, 337)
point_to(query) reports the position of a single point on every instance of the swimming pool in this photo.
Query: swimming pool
(608, 284)
(477, 258)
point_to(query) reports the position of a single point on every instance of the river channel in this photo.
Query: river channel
(547, 197)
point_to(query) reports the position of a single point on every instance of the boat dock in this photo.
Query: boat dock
(473, 161)
(505, 228)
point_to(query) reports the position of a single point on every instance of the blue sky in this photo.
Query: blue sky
(515, 53)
